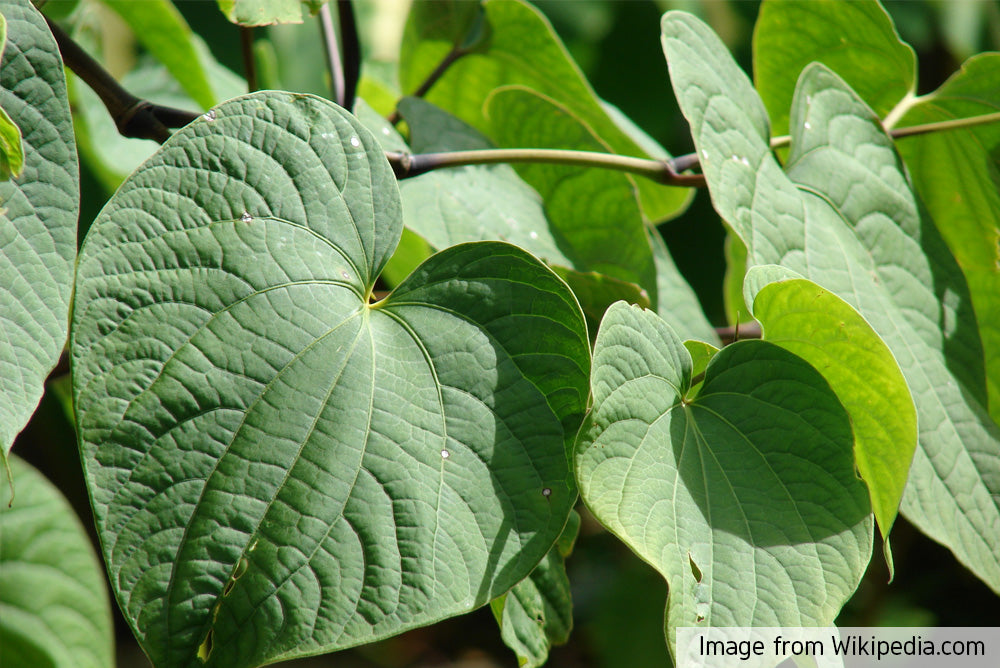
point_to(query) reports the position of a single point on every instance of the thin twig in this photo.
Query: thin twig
(332, 49)
(406, 165)
(748, 330)
(449, 59)
(133, 116)
(350, 46)
(249, 62)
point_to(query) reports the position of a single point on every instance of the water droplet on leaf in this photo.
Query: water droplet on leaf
(546, 492)
(209, 115)
(355, 142)
(445, 454)
(246, 217)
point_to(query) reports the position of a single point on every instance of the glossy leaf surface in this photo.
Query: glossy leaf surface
(857, 40)
(160, 27)
(278, 467)
(38, 212)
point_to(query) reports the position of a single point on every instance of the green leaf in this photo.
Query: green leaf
(54, 608)
(538, 612)
(595, 211)
(744, 498)
(38, 215)
(824, 330)
(596, 292)
(521, 49)
(262, 12)
(474, 203)
(855, 39)
(11, 150)
(161, 28)
(956, 175)
(277, 466)
(450, 206)
(845, 218)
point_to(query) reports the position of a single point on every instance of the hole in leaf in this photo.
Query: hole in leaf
(205, 648)
(695, 571)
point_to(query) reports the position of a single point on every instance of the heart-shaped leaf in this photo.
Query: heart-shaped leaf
(38, 212)
(277, 466)
(845, 217)
(822, 329)
(54, 608)
(744, 497)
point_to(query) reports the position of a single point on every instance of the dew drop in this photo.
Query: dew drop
(385, 131)
(327, 135)
(355, 142)
(346, 275)
(546, 492)
(246, 217)
(806, 125)
(533, 234)
(253, 545)
(745, 161)
(209, 115)
(704, 154)
(445, 454)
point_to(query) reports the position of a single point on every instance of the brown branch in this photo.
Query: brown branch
(133, 116)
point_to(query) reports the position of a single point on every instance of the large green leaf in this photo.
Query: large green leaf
(955, 172)
(277, 466)
(54, 608)
(161, 28)
(520, 48)
(855, 39)
(845, 217)
(957, 175)
(38, 212)
(822, 329)
(538, 612)
(744, 497)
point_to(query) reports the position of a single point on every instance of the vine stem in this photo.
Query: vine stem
(133, 116)
(344, 56)
(407, 165)
(666, 172)
(249, 62)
